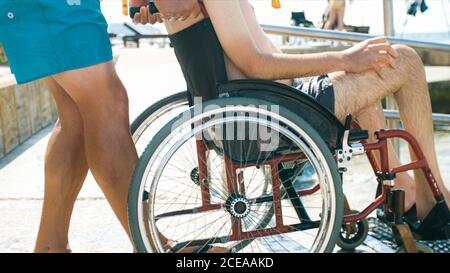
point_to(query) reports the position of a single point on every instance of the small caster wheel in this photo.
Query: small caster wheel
(421, 248)
(353, 235)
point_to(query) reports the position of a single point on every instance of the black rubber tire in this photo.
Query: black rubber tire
(360, 236)
(152, 109)
(133, 195)
(177, 97)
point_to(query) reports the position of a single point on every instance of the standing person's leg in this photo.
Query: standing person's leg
(332, 17)
(407, 82)
(110, 151)
(340, 18)
(372, 119)
(65, 171)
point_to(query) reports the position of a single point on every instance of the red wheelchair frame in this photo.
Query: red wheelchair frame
(384, 173)
(385, 170)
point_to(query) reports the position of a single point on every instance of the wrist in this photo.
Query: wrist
(343, 62)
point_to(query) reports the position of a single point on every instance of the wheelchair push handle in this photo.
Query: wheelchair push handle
(151, 6)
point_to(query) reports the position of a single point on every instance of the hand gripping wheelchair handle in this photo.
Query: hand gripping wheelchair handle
(151, 6)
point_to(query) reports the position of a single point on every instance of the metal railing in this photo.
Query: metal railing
(348, 36)
(439, 119)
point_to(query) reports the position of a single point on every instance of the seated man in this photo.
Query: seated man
(227, 37)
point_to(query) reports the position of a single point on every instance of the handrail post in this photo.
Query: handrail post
(388, 15)
(389, 30)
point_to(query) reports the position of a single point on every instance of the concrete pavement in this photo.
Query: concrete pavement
(149, 74)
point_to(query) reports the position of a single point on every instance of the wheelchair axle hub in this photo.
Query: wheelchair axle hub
(238, 206)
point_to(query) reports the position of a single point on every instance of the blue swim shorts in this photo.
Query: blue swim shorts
(46, 37)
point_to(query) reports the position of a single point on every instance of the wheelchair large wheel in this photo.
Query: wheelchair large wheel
(153, 119)
(230, 208)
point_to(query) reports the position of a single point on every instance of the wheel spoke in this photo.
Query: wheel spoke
(174, 187)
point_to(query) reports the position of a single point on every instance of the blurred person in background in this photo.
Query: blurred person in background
(335, 14)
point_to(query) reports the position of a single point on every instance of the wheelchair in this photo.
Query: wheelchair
(257, 170)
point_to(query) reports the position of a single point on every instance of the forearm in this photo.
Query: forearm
(276, 66)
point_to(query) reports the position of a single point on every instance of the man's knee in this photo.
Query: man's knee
(118, 105)
(97, 91)
(408, 57)
(103, 104)
(114, 110)
(69, 117)
(70, 125)
(411, 66)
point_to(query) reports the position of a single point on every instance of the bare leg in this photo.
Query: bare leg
(407, 82)
(340, 18)
(110, 152)
(372, 119)
(331, 20)
(65, 171)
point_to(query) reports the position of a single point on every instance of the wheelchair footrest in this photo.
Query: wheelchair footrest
(382, 232)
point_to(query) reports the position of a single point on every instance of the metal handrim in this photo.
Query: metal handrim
(324, 170)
